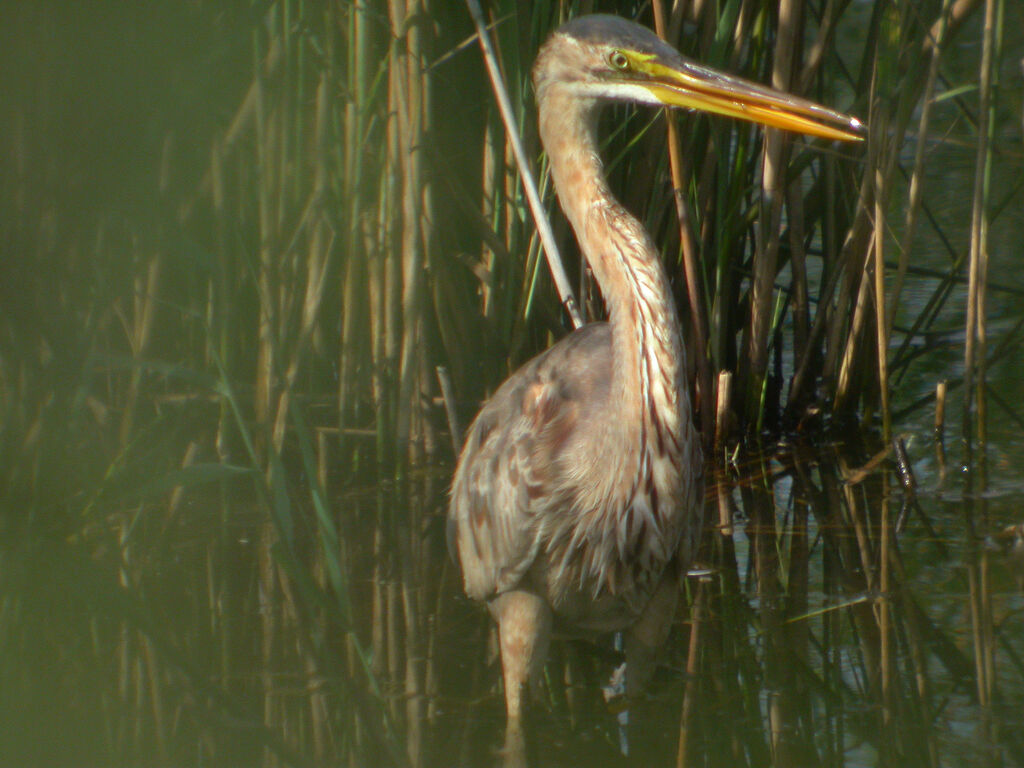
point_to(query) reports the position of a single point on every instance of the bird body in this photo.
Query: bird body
(560, 499)
(577, 478)
(577, 496)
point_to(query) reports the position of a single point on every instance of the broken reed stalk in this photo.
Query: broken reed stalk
(940, 411)
(723, 408)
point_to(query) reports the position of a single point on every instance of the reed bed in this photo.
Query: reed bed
(358, 220)
(236, 244)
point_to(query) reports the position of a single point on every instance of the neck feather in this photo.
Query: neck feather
(649, 363)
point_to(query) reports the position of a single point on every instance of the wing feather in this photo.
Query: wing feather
(512, 471)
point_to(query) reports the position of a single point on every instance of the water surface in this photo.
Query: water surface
(815, 633)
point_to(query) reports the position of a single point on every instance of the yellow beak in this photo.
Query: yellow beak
(683, 83)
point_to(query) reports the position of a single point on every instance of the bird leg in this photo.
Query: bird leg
(646, 637)
(524, 629)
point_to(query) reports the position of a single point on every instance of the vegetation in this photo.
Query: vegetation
(236, 242)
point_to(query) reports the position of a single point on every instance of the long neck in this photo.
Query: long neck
(649, 363)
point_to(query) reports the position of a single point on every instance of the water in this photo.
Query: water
(811, 637)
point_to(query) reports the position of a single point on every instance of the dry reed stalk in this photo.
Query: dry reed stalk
(845, 382)
(178, 492)
(828, 320)
(691, 689)
(881, 325)
(917, 646)
(814, 56)
(408, 68)
(917, 174)
(800, 300)
(140, 333)
(723, 409)
(983, 685)
(359, 273)
(144, 301)
(883, 150)
(859, 554)
(884, 616)
(523, 164)
(155, 691)
(861, 534)
(436, 627)
(413, 685)
(321, 236)
(219, 318)
(680, 182)
(450, 408)
(266, 282)
(724, 501)
(236, 132)
(773, 193)
(393, 640)
(508, 219)
(493, 171)
(318, 709)
(960, 11)
(940, 411)
(795, 634)
(269, 609)
(391, 216)
(424, 386)
(882, 156)
(354, 277)
(988, 628)
(378, 603)
(975, 344)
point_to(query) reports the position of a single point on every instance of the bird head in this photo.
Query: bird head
(607, 58)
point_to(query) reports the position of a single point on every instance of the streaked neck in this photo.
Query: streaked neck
(649, 362)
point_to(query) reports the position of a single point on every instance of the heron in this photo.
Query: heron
(577, 498)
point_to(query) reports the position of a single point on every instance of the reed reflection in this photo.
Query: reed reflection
(815, 635)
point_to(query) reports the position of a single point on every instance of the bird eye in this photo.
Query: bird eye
(618, 60)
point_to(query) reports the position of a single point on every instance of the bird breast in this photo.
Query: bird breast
(622, 526)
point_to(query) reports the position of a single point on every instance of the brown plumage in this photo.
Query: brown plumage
(577, 496)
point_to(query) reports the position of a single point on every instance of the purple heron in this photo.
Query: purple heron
(577, 497)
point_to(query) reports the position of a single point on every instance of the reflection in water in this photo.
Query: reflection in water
(816, 636)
